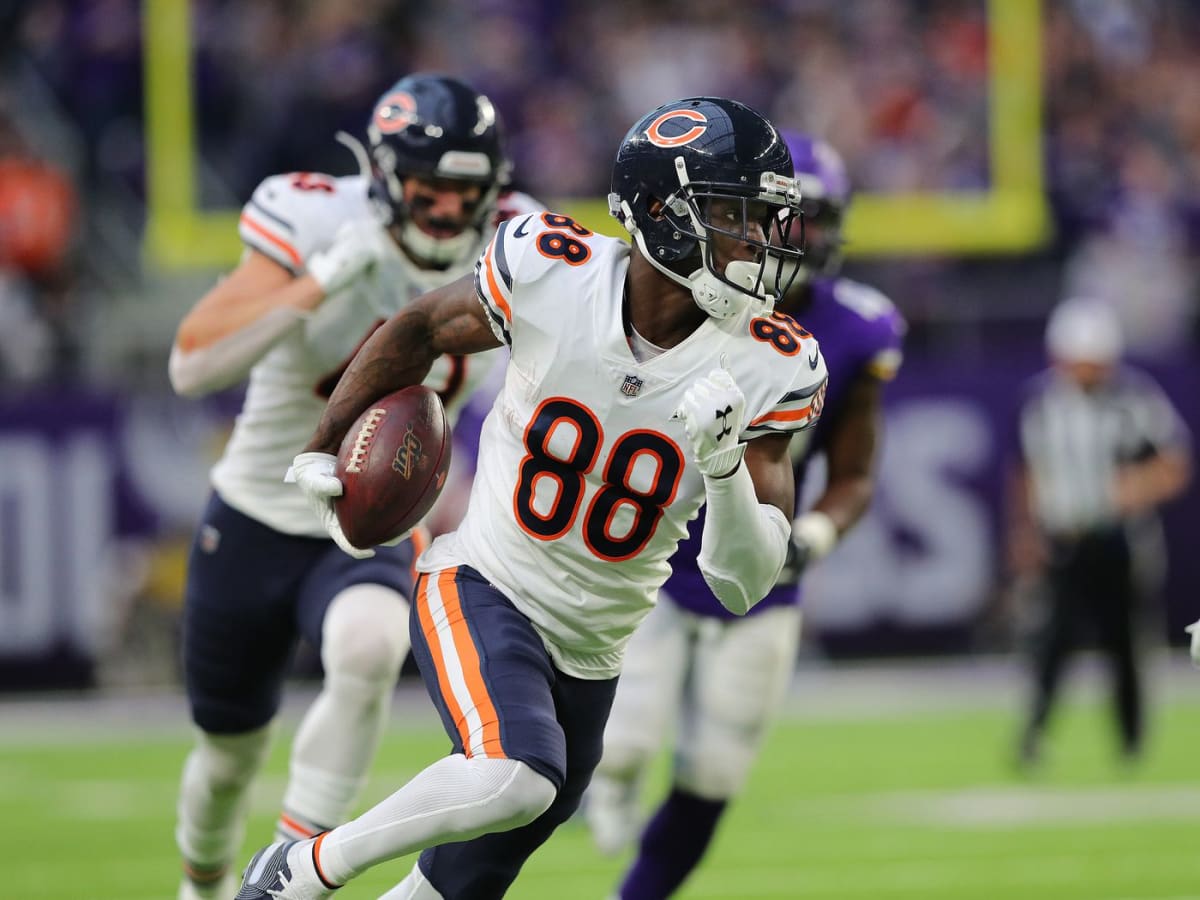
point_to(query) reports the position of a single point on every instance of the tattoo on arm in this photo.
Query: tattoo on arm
(401, 352)
(397, 355)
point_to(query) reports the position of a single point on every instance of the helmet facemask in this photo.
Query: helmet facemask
(388, 193)
(441, 252)
(691, 219)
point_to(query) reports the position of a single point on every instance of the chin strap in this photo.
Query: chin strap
(720, 300)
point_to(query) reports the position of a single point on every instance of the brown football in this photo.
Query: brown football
(392, 465)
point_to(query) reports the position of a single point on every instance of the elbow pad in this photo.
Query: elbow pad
(227, 361)
(744, 542)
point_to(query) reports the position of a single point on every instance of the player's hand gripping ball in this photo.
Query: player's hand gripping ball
(392, 465)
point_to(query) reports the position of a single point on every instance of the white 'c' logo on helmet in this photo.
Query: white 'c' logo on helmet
(658, 139)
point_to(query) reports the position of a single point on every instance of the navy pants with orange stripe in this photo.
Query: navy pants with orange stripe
(500, 696)
(252, 592)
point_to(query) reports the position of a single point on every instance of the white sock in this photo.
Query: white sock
(214, 793)
(363, 643)
(331, 753)
(455, 799)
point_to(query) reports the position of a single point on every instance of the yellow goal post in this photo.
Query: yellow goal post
(1010, 216)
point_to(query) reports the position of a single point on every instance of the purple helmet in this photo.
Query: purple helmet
(825, 194)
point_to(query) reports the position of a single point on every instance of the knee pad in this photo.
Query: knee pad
(365, 634)
(714, 758)
(716, 774)
(228, 761)
(526, 795)
(742, 671)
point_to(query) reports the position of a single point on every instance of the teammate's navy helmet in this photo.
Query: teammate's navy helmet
(825, 188)
(436, 126)
(676, 160)
(432, 126)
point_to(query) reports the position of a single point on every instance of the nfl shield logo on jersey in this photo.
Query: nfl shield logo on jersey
(632, 386)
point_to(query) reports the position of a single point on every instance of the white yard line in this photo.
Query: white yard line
(1008, 807)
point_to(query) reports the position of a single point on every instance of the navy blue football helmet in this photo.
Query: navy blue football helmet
(432, 126)
(825, 189)
(671, 168)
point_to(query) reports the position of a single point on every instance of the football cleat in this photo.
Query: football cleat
(270, 874)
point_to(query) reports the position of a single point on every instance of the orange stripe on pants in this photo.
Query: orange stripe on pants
(454, 653)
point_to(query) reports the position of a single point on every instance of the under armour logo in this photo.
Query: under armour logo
(723, 417)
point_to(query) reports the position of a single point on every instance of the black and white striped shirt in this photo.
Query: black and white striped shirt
(1073, 442)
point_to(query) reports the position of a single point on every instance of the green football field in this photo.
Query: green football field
(896, 797)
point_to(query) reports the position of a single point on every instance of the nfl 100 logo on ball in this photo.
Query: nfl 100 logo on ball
(409, 454)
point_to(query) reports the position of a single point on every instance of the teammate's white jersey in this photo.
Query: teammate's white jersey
(585, 483)
(289, 218)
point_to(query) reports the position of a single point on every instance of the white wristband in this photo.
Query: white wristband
(816, 531)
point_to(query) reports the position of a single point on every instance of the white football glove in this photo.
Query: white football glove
(358, 245)
(712, 411)
(813, 537)
(399, 539)
(1194, 631)
(313, 474)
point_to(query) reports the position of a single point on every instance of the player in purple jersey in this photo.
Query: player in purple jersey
(714, 677)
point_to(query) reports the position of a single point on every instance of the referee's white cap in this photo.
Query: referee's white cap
(1084, 330)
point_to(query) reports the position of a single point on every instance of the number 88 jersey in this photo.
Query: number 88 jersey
(585, 483)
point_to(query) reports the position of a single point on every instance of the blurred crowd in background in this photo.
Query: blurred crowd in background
(900, 88)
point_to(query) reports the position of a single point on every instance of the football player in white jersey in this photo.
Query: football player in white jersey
(714, 680)
(326, 261)
(640, 384)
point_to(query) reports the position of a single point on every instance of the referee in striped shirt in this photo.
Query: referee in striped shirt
(1101, 449)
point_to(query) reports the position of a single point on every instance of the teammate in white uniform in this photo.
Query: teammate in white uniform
(640, 385)
(327, 260)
